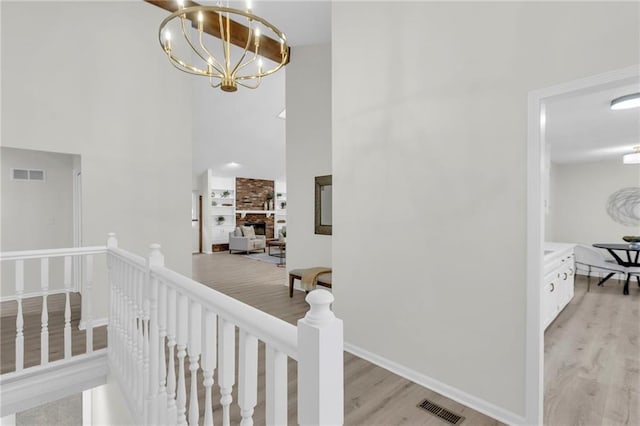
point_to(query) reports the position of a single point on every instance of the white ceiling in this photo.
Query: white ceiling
(243, 127)
(583, 128)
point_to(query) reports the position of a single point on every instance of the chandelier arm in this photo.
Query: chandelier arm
(251, 87)
(217, 65)
(183, 66)
(224, 43)
(244, 54)
(250, 61)
(193, 47)
(215, 86)
(265, 73)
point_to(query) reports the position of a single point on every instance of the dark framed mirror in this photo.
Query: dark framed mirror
(324, 205)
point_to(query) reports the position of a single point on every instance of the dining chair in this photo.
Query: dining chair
(594, 260)
(634, 271)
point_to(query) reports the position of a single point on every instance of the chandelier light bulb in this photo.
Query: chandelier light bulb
(181, 3)
(249, 5)
(200, 16)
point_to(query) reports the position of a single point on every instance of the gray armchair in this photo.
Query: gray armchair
(246, 244)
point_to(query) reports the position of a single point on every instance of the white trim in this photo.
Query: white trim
(534, 338)
(39, 385)
(37, 254)
(98, 322)
(87, 407)
(428, 382)
(33, 294)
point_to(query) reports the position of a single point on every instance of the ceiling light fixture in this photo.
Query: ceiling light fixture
(634, 157)
(626, 102)
(226, 66)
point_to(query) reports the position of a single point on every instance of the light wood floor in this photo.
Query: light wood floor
(373, 396)
(592, 358)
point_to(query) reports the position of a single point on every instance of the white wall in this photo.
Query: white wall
(35, 214)
(308, 152)
(430, 126)
(95, 82)
(579, 201)
(108, 406)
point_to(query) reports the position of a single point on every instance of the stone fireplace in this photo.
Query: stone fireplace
(250, 196)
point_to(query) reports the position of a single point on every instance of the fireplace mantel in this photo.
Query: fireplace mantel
(243, 213)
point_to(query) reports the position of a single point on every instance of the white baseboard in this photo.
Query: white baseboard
(98, 322)
(455, 394)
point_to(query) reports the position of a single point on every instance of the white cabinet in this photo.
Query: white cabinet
(558, 283)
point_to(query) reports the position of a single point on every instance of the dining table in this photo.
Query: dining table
(627, 255)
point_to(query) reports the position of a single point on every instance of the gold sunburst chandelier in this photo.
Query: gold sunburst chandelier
(244, 53)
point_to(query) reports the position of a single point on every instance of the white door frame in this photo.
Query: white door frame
(534, 362)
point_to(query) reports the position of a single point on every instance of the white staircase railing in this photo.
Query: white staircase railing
(160, 320)
(30, 385)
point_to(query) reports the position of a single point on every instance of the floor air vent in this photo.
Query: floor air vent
(441, 412)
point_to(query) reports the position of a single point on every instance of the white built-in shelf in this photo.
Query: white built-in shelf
(243, 213)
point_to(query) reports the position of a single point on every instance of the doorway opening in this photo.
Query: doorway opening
(577, 217)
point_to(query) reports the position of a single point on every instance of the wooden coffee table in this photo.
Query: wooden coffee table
(282, 253)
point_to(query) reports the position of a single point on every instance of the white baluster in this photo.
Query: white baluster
(19, 317)
(140, 330)
(112, 242)
(132, 349)
(171, 344)
(276, 387)
(67, 307)
(208, 364)
(89, 303)
(247, 377)
(44, 334)
(320, 363)
(155, 259)
(226, 366)
(119, 327)
(194, 348)
(162, 363)
(181, 340)
(146, 361)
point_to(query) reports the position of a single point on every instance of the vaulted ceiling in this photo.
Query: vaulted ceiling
(243, 127)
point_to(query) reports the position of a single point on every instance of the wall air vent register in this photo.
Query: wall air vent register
(26, 174)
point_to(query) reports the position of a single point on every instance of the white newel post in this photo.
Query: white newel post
(320, 363)
(155, 258)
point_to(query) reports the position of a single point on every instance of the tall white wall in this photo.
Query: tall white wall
(430, 131)
(308, 152)
(95, 82)
(579, 197)
(35, 214)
